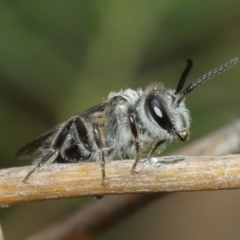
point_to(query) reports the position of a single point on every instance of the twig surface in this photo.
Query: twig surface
(167, 174)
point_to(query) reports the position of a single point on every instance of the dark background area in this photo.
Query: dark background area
(58, 58)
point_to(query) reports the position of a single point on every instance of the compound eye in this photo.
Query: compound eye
(159, 114)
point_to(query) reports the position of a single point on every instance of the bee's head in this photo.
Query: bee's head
(161, 109)
(167, 108)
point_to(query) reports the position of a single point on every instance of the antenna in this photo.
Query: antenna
(207, 76)
(184, 76)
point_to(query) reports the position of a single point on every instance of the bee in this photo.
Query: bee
(128, 124)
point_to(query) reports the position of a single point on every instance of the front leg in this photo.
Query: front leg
(136, 140)
(154, 148)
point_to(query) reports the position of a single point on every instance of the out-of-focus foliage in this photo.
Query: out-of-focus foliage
(58, 58)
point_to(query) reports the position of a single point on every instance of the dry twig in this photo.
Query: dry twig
(168, 174)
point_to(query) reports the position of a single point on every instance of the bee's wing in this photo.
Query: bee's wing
(97, 111)
(30, 150)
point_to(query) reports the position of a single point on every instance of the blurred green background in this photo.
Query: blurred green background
(58, 58)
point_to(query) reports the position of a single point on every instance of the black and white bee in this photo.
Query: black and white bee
(127, 124)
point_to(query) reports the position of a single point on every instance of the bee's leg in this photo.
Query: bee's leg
(54, 149)
(135, 134)
(49, 158)
(82, 136)
(154, 147)
(101, 157)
